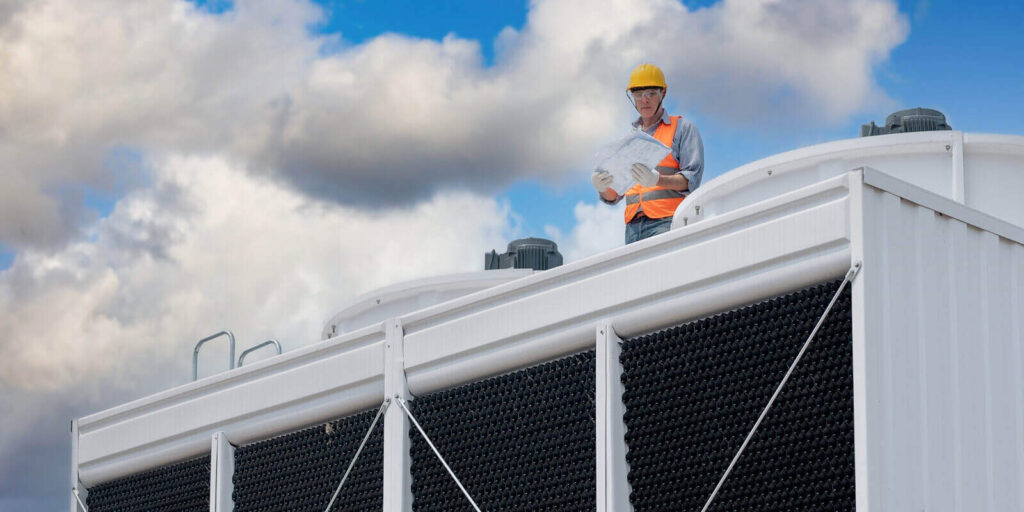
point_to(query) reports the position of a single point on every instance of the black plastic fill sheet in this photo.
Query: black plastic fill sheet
(694, 391)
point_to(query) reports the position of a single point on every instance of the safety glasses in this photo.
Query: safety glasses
(649, 94)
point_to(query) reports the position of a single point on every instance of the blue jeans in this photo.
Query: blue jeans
(646, 228)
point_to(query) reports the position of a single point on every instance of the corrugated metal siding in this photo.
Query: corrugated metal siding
(944, 372)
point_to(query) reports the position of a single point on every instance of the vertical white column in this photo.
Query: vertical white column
(76, 486)
(860, 240)
(957, 154)
(612, 485)
(397, 459)
(222, 472)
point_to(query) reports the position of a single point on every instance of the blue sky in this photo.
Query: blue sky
(358, 21)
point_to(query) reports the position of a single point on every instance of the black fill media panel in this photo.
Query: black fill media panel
(299, 471)
(179, 487)
(520, 441)
(693, 392)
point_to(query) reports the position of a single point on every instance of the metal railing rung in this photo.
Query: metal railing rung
(199, 344)
(246, 352)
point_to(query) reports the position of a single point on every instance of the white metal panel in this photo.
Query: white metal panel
(774, 246)
(938, 377)
(268, 397)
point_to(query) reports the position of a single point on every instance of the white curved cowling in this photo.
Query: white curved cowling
(982, 171)
(405, 297)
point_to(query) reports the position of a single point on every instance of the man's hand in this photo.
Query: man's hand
(601, 179)
(644, 175)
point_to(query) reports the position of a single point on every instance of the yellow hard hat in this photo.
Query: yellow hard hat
(647, 75)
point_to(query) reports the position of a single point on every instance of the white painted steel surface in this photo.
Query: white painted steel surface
(975, 169)
(939, 370)
(397, 446)
(296, 389)
(222, 472)
(612, 470)
(399, 299)
(76, 485)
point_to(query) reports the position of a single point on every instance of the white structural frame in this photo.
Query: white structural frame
(792, 240)
(397, 446)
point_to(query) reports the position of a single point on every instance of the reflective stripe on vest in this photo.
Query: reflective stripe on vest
(661, 193)
(657, 202)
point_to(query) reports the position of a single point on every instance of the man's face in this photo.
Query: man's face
(647, 101)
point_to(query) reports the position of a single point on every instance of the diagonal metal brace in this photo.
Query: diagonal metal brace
(78, 498)
(383, 407)
(439, 457)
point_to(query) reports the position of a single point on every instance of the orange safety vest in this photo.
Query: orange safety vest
(658, 202)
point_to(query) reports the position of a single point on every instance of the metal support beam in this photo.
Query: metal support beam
(397, 458)
(78, 493)
(222, 472)
(612, 486)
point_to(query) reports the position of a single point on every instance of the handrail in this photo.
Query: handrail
(271, 341)
(195, 351)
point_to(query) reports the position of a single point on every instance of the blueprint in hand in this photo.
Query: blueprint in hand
(618, 156)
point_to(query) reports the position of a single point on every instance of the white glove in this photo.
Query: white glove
(644, 176)
(602, 179)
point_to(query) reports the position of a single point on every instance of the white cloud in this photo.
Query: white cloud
(209, 247)
(784, 61)
(598, 228)
(390, 121)
(86, 78)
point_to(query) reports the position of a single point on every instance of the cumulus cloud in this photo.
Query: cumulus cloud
(83, 79)
(771, 61)
(209, 246)
(392, 120)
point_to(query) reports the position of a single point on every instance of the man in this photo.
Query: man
(652, 201)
